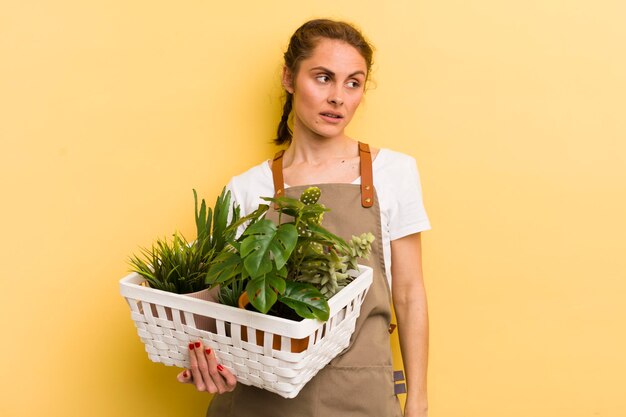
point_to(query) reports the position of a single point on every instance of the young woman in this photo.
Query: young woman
(327, 65)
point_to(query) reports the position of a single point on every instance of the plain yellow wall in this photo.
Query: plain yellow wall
(111, 112)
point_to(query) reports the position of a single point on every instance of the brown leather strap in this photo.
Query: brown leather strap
(277, 175)
(367, 179)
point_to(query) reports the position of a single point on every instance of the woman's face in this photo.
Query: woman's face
(327, 89)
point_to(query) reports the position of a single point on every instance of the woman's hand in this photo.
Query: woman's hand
(415, 410)
(205, 373)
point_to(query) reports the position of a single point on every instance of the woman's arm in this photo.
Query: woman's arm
(409, 300)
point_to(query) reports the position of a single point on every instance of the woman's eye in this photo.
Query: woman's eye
(323, 78)
(353, 84)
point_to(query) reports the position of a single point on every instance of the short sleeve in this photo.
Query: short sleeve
(407, 214)
(248, 188)
(234, 197)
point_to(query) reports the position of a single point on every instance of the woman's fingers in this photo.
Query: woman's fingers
(228, 377)
(194, 352)
(206, 373)
(217, 372)
(227, 380)
(212, 367)
(184, 377)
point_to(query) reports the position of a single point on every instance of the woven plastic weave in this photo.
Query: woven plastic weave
(166, 324)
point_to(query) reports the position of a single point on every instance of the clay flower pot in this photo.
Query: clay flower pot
(202, 322)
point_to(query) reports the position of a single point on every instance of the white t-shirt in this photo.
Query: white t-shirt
(397, 184)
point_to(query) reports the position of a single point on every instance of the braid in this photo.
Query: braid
(284, 133)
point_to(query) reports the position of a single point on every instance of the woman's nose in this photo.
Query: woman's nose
(335, 99)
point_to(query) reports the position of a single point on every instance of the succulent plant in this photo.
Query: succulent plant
(311, 195)
(361, 246)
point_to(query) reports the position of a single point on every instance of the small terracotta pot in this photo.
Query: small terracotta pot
(297, 345)
(202, 322)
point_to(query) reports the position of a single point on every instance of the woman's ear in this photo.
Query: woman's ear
(287, 80)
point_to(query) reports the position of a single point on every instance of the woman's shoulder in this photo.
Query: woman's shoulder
(248, 187)
(258, 173)
(388, 160)
(395, 174)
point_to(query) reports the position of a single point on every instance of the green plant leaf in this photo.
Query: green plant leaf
(330, 238)
(263, 290)
(220, 220)
(265, 244)
(173, 265)
(313, 210)
(287, 205)
(203, 220)
(225, 267)
(229, 294)
(306, 300)
(252, 217)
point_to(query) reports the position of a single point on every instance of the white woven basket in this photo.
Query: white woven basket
(260, 363)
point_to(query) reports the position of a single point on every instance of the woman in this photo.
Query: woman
(326, 68)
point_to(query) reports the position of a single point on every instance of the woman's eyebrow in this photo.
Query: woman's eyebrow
(332, 74)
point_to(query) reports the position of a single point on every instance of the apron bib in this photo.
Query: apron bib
(358, 382)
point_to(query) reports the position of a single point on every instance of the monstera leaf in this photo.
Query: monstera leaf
(306, 300)
(266, 244)
(225, 268)
(263, 290)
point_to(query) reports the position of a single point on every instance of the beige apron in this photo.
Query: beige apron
(358, 382)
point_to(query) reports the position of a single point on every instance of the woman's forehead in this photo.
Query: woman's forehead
(337, 56)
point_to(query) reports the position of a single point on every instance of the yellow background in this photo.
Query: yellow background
(111, 112)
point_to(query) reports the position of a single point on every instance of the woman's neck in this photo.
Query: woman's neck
(320, 150)
(327, 160)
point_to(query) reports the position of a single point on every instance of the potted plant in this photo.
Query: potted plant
(291, 268)
(179, 266)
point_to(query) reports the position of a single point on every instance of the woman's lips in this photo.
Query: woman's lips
(333, 118)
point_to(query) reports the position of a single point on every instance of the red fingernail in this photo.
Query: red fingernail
(190, 346)
(185, 374)
(208, 351)
(197, 344)
(220, 368)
